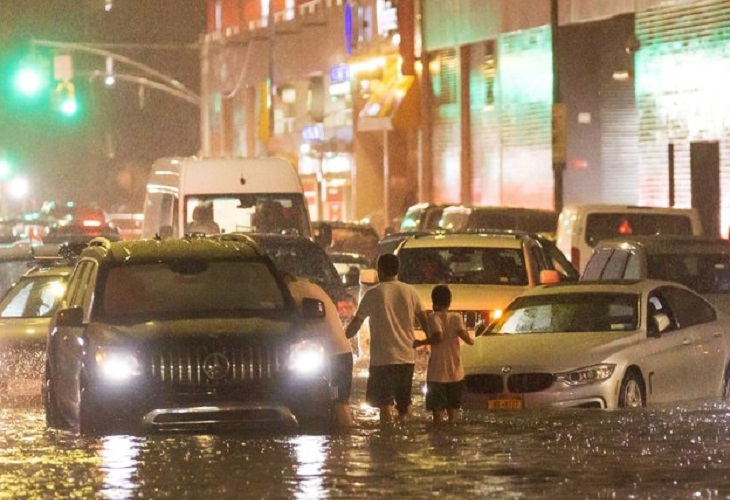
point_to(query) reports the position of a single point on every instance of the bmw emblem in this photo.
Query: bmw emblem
(216, 366)
(506, 369)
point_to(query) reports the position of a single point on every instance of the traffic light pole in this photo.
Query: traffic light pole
(166, 83)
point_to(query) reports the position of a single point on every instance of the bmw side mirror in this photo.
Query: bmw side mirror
(313, 308)
(70, 317)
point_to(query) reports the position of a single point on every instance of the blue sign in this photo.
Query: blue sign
(313, 132)
(348, 29)
(340, 74)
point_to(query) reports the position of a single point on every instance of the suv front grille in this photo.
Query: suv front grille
(202, 365)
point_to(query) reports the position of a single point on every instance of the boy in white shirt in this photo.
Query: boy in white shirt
(445, 377)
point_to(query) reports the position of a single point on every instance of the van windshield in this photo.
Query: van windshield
(252, 213)
(603, 226)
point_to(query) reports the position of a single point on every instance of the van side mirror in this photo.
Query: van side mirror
(549, 277)
(70, 317)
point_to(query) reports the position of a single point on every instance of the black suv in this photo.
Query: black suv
(193, 334)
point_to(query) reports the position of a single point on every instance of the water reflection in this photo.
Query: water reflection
(119, 462)
(310, 454)
(673, 452)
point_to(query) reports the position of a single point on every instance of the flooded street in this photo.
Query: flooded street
(672, 452)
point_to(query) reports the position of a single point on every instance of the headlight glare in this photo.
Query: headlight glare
(307, 358)
(587, 375)
(117, 365)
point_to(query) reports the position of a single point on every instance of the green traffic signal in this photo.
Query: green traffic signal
(5, 168)
(32, 76)
(64, 98)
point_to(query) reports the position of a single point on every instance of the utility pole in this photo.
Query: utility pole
(559, 114)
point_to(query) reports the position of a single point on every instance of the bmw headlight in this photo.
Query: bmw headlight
(587, 375)
(117, 364)
(307, 358)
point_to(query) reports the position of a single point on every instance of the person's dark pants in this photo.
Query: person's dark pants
(390, 384)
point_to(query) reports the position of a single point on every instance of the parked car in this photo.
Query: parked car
(348, 266)
(473, 217)
(699, 262)
(303, 258)
(26, 309)
(580, 227)
(348, 237)
(484, 271)
(190, 334)
(422, 217)
(600, 345)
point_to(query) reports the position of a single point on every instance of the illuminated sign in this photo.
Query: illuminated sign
(340, 73)
(313, 132)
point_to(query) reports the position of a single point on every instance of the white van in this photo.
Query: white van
(581, 227)
(261, 195)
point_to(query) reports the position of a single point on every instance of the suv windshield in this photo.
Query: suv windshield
(475, 265)
(190, 288)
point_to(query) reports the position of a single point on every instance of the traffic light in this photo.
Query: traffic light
(32, 77)
(64, 99)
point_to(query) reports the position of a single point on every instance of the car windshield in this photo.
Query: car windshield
(704, 273)
(36, 297)
(469, 265)
(190, 288)
(570, 312)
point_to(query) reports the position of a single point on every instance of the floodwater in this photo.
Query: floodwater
(669, 452)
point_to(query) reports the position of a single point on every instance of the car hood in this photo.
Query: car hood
(213, 329)
(474, 297)
(551, 352)
(16, 330)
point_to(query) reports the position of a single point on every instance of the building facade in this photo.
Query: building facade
(382, 104)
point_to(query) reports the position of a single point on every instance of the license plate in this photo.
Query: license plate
(505, 403)
(24, 387)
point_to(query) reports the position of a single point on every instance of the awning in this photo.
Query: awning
(393, 105)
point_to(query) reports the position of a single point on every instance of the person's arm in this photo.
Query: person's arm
(435, 338)
(462, 332)
(353, 327)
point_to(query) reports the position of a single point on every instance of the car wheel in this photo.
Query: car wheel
(48, 395)
(631, 394)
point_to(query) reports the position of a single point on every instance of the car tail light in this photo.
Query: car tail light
(575, 257)
(91, 223)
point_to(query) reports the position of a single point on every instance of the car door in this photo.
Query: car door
(667, 359)
(699, 318)
(68, 342)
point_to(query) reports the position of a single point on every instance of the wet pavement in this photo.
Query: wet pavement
(669, 452)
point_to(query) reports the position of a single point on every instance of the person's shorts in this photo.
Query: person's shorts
(388, 384)
(341, 376)
(444, 395)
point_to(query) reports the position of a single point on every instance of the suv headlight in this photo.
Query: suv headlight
(117, 364)
(307, 358)
(587, 375)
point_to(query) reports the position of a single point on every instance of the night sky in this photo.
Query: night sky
(102, 155)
